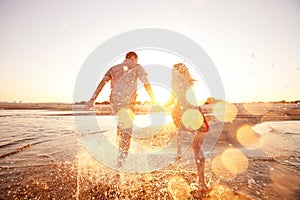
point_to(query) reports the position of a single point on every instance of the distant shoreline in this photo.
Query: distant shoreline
(69, 106)
(36, 106)
(101, 109)
(290, 109)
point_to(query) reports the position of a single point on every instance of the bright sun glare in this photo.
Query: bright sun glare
(161, 94)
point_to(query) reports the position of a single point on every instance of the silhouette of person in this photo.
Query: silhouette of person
(123, 79)
(187, 116)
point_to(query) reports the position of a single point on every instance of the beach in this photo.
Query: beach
(43, 155)
(89, 92)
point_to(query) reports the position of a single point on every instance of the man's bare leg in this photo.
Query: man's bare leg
(124, 131)
(124, 145)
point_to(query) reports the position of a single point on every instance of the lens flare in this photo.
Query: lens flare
(202, 102)
(161, 94)
(190, 96)
(247, 137)
(257, 109)
(125, 118)
(178, 188)
(192, 119)
(234, 160)
(225, 112)
(219, 169)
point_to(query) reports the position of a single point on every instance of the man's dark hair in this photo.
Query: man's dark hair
(131, 54)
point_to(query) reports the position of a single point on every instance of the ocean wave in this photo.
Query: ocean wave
(16, 151)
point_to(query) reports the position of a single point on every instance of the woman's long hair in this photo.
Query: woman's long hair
(181, 81)
(181, 70)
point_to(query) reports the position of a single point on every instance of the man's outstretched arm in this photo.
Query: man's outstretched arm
(149, 91)
(91, 102)
(143, 77)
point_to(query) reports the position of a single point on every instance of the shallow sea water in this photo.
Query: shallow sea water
(43, 156)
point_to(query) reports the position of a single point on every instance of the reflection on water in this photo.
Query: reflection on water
(42, 157)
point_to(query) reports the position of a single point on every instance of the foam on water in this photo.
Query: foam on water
(286, 127)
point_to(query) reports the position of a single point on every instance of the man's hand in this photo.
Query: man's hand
(166, 105)
(153, 101)
(89, 105)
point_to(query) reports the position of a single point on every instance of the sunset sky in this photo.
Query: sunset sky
(254, 44)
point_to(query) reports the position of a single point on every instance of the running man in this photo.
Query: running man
(123, 79)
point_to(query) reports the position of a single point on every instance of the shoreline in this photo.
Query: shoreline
(36, 106)
(275, 111)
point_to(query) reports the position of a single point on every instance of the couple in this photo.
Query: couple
(123, 79)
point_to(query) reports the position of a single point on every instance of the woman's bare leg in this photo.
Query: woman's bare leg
(179, 144)
(199, 160)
